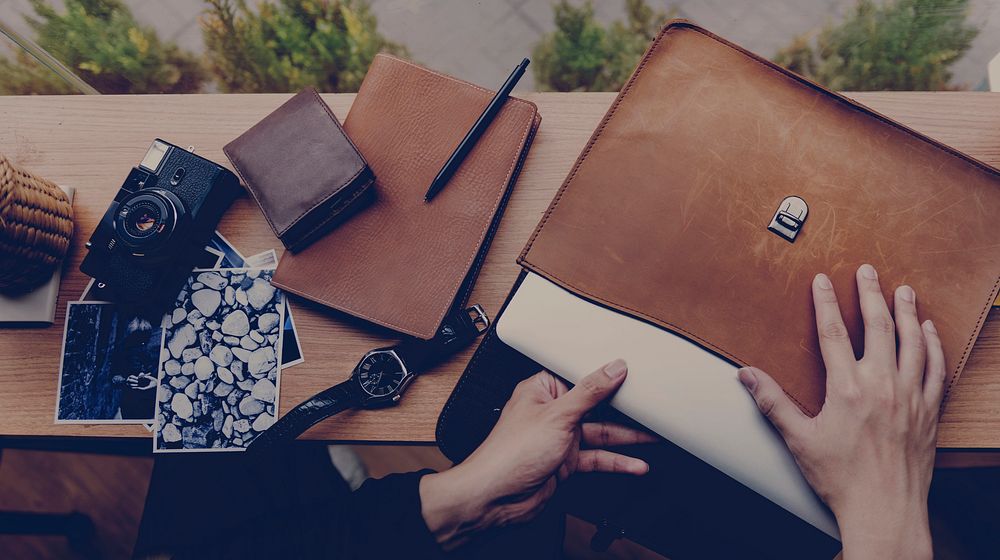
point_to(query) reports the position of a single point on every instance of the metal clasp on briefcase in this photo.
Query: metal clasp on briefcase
(788, 220)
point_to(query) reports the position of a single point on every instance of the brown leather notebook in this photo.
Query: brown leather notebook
(402, 263)
(665, 214)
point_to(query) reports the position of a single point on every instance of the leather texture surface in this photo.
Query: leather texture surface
(402, 262)
(664, 215)
(322, 405)
(304, 172)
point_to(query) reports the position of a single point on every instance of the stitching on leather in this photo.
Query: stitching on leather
(523, 258)
(972, 340)
(481, 255)
(496, 208)
(503, 191)
(468, 262)
(854, 105)
(593, 140)
(337, 124)
(344, 309)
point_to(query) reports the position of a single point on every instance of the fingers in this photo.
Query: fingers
(541, 387)
(834, 342)
(912, 348)
(880, 332)
(608, 434)
(935, 373)
(592, 390)
(772, 401)
(600, 460)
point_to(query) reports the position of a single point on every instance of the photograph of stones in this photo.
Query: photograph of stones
(219, 376)
(109, 364)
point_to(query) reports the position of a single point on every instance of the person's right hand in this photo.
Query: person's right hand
(869, 453)
(540, 440)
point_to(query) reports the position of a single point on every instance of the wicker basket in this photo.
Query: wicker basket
(36, 223)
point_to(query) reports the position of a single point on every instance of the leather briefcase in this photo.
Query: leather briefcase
(719, 184)
(715, 188)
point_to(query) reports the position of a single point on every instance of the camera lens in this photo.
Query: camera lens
(143, 220)
(147, 219)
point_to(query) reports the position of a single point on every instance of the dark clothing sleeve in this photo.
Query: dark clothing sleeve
(290, 504)
(293, 504)
(382, 519)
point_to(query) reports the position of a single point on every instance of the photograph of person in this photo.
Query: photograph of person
(109, 363)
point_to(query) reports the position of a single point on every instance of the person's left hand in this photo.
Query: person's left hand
(540, 439)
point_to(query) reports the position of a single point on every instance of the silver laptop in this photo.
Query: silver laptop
(674, 387)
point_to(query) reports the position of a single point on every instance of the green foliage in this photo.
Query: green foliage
(284, 47)
(583, 55)
(898, 45)
(101, 42)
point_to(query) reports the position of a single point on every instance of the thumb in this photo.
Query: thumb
(772, 401)
(592, 390)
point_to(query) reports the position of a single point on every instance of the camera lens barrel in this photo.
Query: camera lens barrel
(146, 220)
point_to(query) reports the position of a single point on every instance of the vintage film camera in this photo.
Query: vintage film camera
(146, 244)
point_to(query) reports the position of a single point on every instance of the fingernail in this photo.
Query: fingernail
(823, 281)
(906, 294)
(615, 369)
(748, 378)
(930, 327)
(868, 271)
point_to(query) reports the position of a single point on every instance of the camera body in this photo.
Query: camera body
(145, 246)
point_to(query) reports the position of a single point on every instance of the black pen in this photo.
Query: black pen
(482, 123)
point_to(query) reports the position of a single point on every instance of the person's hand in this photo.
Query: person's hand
(141, 382)
(869, 453)
(539, 440)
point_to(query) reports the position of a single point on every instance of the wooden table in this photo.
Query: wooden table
(91, 142)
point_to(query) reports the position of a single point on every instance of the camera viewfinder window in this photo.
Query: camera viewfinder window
(154, 156)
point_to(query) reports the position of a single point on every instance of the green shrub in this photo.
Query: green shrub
(100, 41)
(583, 55)
(899, 45)
(286, 46)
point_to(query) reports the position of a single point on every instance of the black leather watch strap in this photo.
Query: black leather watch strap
(457, 330)
(322, 405)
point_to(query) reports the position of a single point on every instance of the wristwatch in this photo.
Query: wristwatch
(380, 378)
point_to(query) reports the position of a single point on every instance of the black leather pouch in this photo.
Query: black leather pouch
(682, 508)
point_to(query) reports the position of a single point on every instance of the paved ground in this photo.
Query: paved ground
(481, 40)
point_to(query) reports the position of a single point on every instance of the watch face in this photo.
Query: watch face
(380, 373)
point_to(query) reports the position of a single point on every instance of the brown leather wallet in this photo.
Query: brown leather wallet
(669, 213)
(302, 169)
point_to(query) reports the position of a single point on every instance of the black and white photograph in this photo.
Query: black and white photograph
(219, 378)
(108, 368)
(231, 258)
(211, 258)
(291, 353)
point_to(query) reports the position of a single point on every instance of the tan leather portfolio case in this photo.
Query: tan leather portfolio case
(403, 263)
(665, 216)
